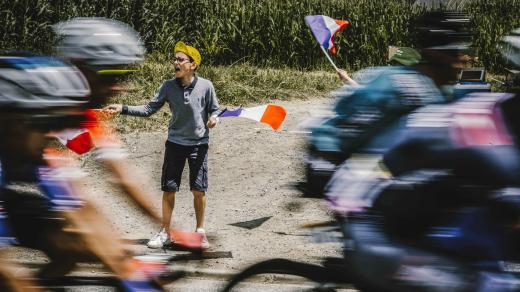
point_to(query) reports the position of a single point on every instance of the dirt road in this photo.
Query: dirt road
(252, 170)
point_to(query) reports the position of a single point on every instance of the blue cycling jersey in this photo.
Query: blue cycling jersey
(368, 118)
(53, 185)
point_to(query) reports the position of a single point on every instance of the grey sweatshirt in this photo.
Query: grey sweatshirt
(191, 108)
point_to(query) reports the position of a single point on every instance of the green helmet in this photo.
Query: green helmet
(403, 56)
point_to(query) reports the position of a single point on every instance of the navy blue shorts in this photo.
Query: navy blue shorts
(175, 157)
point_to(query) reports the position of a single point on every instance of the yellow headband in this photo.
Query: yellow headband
(189, 51)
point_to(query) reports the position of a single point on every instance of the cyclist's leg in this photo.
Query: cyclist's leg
(11, 281)
(67, 237)
(35, 226)
(95, 237)
(86, 236)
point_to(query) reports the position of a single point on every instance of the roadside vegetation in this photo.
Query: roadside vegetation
(265, 33)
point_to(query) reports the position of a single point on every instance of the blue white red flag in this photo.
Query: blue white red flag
(270, 114)
(324, 28)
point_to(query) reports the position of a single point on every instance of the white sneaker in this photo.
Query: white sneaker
(159, 240)
(205, 243)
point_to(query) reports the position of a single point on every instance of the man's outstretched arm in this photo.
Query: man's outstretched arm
(146, 110)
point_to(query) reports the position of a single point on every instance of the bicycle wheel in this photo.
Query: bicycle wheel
(81, 282)
(317, 274)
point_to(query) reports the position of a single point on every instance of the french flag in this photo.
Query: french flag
(324, 28)
(270, 114)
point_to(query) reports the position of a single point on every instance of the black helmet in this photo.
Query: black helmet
(443, 30)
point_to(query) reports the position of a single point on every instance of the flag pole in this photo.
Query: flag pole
(328, 57)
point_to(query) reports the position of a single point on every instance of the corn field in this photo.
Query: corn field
(258, 32)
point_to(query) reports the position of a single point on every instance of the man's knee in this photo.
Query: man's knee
(168, 196)
(197, 193)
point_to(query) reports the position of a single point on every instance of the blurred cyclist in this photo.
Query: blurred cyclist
(374, 115)
(39, 95)
(66, 228)
(102, 49)
(475, 142)
(35, 96)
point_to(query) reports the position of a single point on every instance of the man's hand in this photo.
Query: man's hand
(212, 122)
(113, 109)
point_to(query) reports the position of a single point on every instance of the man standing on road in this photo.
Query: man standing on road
(194, 107)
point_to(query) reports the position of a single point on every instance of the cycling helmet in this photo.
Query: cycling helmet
(40, 83)
(510, 47)
(443, 30)
(99, 42)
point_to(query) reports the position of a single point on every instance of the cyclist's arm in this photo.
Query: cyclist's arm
(343, 75)
(128, 180)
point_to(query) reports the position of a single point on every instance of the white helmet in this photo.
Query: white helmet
(99, 42)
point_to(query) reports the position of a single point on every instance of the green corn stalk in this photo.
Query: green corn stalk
(257, 32)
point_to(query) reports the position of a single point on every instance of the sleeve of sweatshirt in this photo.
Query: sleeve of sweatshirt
(213, 107)
(153, 105)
